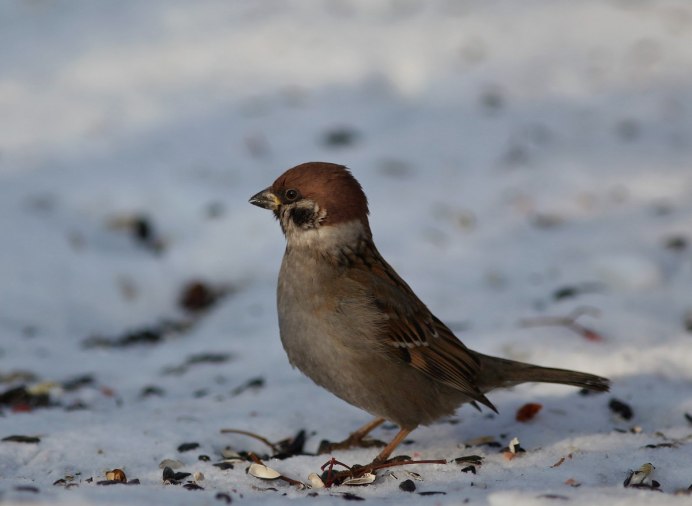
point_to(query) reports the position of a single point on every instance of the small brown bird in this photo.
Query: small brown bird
(352, 325)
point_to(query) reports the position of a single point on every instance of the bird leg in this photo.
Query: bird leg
(387, 450)
(355, 439)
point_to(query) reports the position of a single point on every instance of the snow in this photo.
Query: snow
(508, 150)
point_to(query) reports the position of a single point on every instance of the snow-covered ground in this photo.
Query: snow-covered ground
(522, 160)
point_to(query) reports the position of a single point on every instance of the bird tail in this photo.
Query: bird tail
(498, 372)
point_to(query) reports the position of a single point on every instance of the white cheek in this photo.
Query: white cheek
(327, 237)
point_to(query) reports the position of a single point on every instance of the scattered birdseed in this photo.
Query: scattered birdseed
(22, 399)
(145, 335)
(172, 463)
(204, 458)
(364, 479)
(688, 417)
(469, 469)
(230, 454)
(142, 230)
(342, 136)
(407, 486)
(27, 488)
(152, 391)
(514, 446)
(432, 492)
(168, 474)
(198, 476)
(415, 476)
(222, 496)
(640, 476)
(186, 447)
(263, 472)
(251, 384)
(197, 296)
(291, 447)
(116, 475)
(661, 445)
(351, 497)
(315, 481)
(192, 486)
(562, 460)
(475, 460)
(78, 382)
(21, 439)
(528, 411)
(224, 465)
(553, 496)
(620, 408)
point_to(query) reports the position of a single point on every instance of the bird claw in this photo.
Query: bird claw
(350, 442)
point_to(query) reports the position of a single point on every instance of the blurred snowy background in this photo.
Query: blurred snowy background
(522, 160)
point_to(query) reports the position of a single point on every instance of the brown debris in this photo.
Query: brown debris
(528, 411)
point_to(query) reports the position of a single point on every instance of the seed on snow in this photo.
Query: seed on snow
(116, 475)
(315, 480)
(173, 464)
(263, 472)
(639, 476)
(365, 479)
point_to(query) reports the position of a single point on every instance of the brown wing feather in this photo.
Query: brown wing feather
(411, 332)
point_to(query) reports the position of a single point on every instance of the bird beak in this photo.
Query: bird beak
(265, 199)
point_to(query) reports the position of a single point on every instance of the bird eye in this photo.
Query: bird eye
(291, 194)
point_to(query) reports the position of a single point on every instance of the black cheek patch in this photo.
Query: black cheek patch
(302, 217)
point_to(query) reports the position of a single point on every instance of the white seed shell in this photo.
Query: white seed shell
(315, 480)
(365, 479)
(173, 464)
(514, 444)
(230, 454)
(263, 472)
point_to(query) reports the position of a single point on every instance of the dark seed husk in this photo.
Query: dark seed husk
(192, 486)
(352, 497)
(407, 486)
(21, 439)
(168, 474)
(619, 407)
(186, 447)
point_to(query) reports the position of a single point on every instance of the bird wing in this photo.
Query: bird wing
(412, 333)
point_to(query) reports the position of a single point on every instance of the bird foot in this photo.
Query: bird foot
(350, 442)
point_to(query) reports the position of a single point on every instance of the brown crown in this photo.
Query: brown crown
(331, 186)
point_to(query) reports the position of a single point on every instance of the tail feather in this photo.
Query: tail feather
(498, 372)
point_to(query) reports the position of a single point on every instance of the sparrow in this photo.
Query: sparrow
(350, 323)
